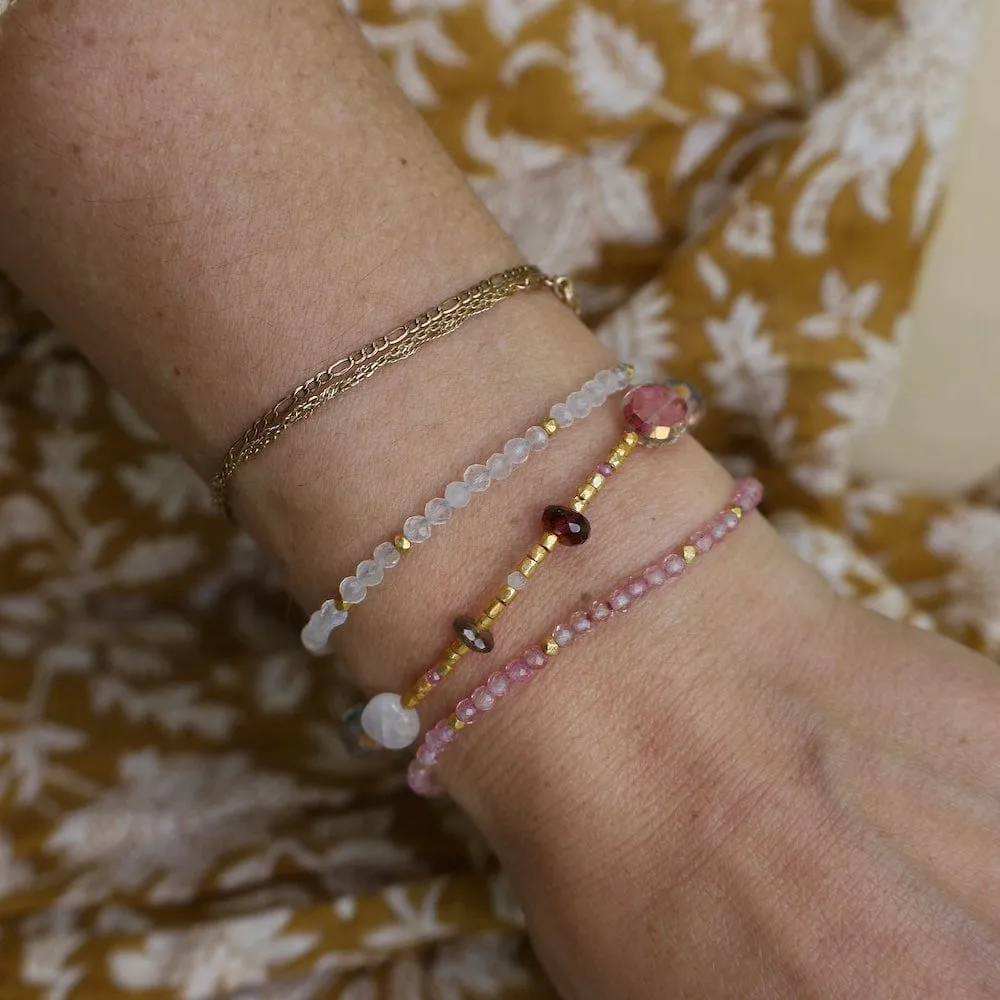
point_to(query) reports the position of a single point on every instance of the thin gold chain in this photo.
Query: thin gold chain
(362, 364)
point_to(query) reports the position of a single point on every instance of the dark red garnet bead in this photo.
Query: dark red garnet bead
(478, 639)
(571, 527)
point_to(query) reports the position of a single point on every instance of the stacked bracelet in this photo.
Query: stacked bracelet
(438, 512)
(654, 415)
(522, 669)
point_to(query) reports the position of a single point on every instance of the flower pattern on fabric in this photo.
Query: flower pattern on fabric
(743, 190)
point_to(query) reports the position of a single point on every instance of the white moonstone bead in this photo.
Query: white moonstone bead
(477, 478)
(353, 590)
(607, 380)
(316, 633)
(458, 495)
(438, 511)
(579, 405)
(387, 555)
(537, 438)
(388, 723)
(517, 450)
(498, 466)
(594, 393)
(416, 529)
(370, 573)
(517, 580)
(560, 413)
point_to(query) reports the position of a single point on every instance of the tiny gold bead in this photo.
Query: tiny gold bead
(508, 596)
(410, 700)
(550, 541)
(496, 609)
(423, 687)
(483, 622)
(455, 723)
(630, 369)
(587, 493)
(341, 605)
(579, 505)
(402, 543)
(614, 460)
(550, 426)
(459, 648)
(528, 567)
(597, 480)
(550, 647)
(539, 553)
(690, 553)
(738, 511)
(631, 439)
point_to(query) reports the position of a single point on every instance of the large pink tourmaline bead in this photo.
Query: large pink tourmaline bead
(655, 412)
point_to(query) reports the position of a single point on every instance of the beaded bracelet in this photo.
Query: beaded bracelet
(421, 775)
(437, 512)
(654, 415)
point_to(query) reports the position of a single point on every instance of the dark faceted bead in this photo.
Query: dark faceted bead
(481, 640)
(355, 739)
(571, 527)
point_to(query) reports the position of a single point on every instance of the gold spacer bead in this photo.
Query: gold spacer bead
(341, 605)
(410, 700)
(456, 723)
(587, 493)
(550, 647)
(508, 596)
(615, 459)
(402, 543)
(528, 567)
(597, 480)
(550, 426)
(690, 553)
(483, 622)
(496, 609)
(550, 541)
(539, 553)
(630, 369)
(423, 688)
(738, 511)
(631, 439)
(579, 505)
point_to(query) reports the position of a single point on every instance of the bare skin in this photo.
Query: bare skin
(759, 791)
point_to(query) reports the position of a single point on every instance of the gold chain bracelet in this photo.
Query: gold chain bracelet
(362, 364)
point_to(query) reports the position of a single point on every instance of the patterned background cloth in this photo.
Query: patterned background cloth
(744, 189)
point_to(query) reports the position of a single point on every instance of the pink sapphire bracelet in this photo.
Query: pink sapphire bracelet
(421, 775)
(437, 512)
(654, 414)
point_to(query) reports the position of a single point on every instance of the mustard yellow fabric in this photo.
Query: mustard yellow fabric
(745, 189)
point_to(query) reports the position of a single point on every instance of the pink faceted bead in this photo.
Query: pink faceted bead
(429, 754)
(518, 671)
(637, 587)
(563, 635)
(730, 520)
(600, 611)
(719, 530)
(702, 541)
(656, 576)
(620, 601)
(499, 684)
(580, 623)
(466, 711)
(674, 566)
(535, 658)
(421, 780)
(482, 699)
(654, 412)
(605, 470)
(443, 733)
(433, 677)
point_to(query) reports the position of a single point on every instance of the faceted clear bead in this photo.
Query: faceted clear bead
(316, 633)
(458, 495)
(353, 590)
(438, 511)
(416, 529)
(622, 376)
(498, 466)
(517, 450)
(608, 381)
(537, 438)
(370, 573)
(594, 392)
(579, 404)
(388, 723)
(563, 635)
(498, 684)
(561, 414)
(387, 555)
(517, 580)
(483, 699)
(477, 478)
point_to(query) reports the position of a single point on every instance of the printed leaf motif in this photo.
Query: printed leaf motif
(152, 559)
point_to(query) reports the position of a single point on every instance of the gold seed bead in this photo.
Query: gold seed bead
(483, 623)
(587, 493)
(455, 723)
(410, 700)
(539, 553)
(341, 605)
(550, 541)
(550, 426)
(423, 688)
(630, 369)
(528, 567)
(496, 609)
(597, 480)
(509, 595)
(579, 505)
(738, 511)
(550, 647)
(614, 460)
(459, 648)
(690, 553)
(402, 543)
(631, 439)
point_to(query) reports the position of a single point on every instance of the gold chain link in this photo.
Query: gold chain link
(362, 364)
